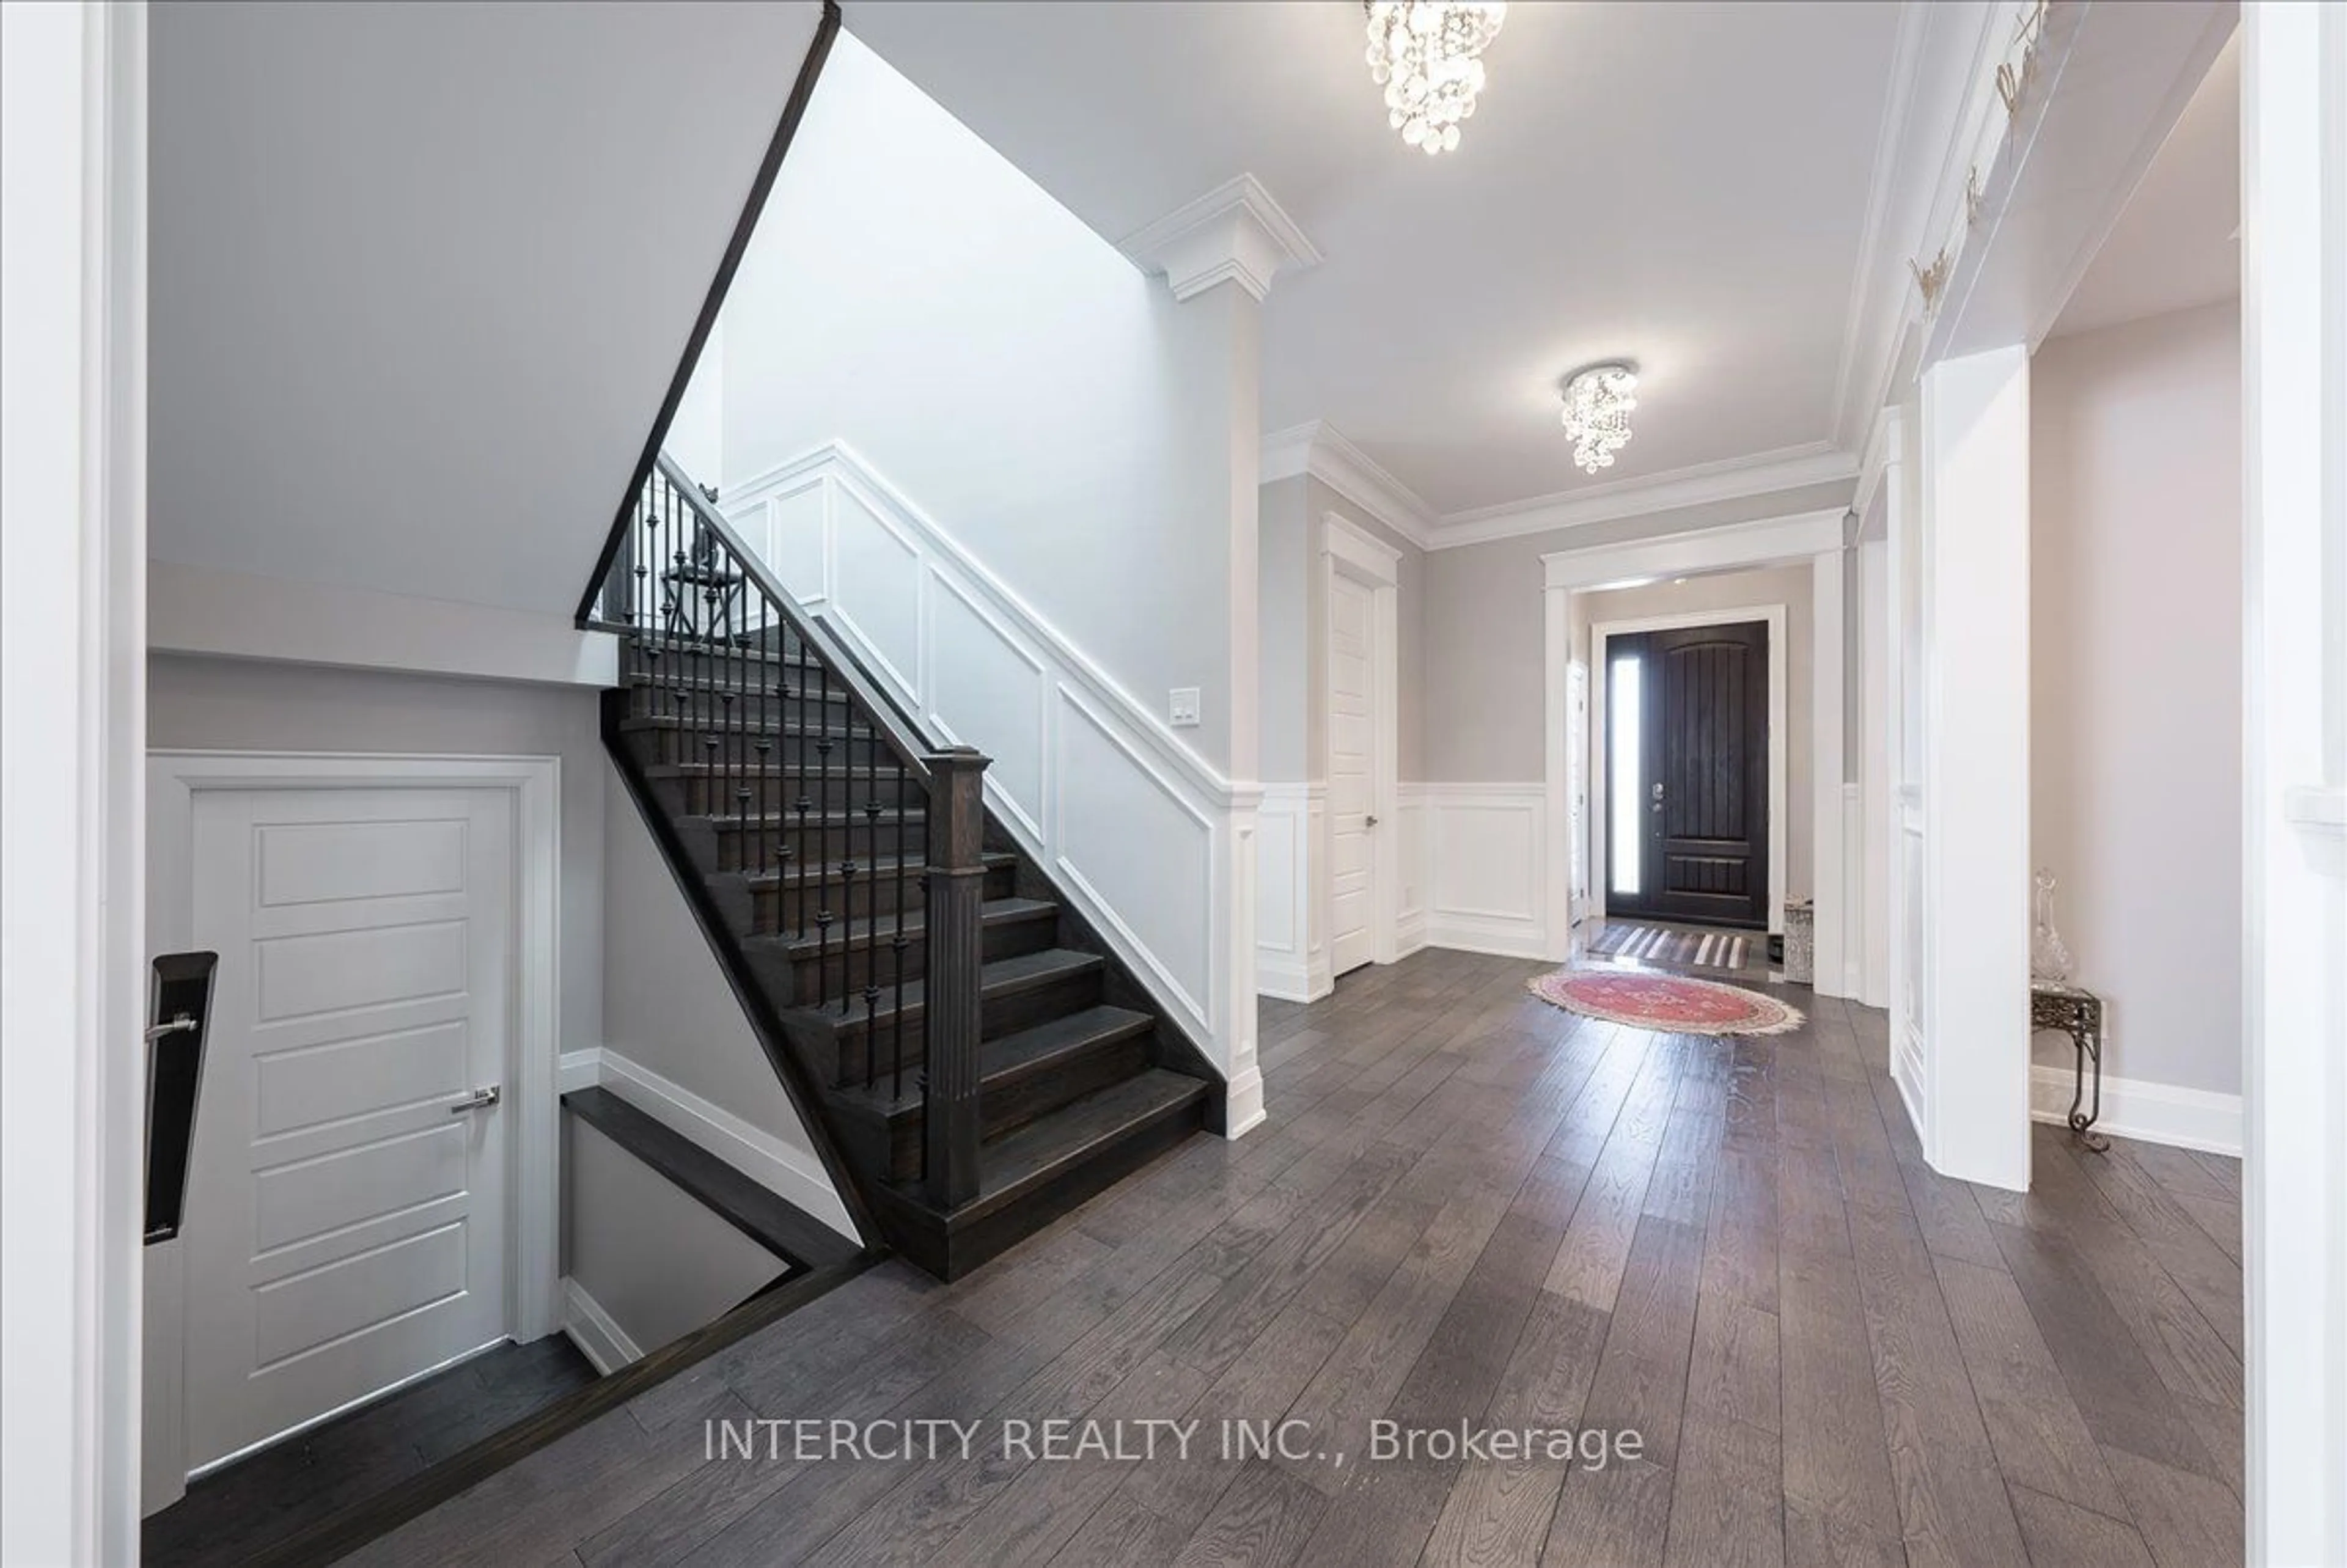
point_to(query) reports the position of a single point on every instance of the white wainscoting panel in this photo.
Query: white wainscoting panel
(1484, 851)
(1155, 847)
(1291, 944)
(1410, 918)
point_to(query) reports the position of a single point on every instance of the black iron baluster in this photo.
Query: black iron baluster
(823, 829)
(897, 1028)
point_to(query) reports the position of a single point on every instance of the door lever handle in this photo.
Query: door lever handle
(480, 1099)
(1368, 822)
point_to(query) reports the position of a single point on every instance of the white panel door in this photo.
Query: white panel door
(346, 1224)
(1352, 754)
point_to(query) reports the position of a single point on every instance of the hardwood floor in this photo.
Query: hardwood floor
(233, 1515)
(1470, 1207)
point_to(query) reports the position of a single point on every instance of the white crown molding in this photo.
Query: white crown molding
(1729, 546)
(1319, 449)
(1234, 234)
(1735, 479)
(1881, 284)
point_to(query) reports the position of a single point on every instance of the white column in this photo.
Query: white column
(2294, 361)
(1975, 591)
(1827, 656)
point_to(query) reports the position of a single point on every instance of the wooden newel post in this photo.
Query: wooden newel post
(956, 894)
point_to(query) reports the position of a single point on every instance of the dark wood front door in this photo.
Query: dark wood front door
(1686, 768)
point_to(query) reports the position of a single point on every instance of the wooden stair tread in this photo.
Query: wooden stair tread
(855, 934)
(885, 865)
(1001, 978)
(764, 1216)
(771, 821)
(1013, 1056)
(653, 724)
(770, 773)
(1044, 1148)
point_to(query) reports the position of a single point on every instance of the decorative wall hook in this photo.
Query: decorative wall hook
(1931, 280)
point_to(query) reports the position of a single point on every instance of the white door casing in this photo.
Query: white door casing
(344, 894)
(345, 1225)
(1360, 744)
(1352, 787)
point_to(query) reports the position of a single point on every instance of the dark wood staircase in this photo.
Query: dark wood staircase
(972, 1059)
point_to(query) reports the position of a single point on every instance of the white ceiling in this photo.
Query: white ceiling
(1684, 185)
(2176, 244)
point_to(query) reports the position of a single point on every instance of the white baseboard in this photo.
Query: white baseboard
(1501, 939)
(1243, 1104)
(1410, 934)
(756, 1152)
(597, 1334)
(2153, 1112)
(1287, 982)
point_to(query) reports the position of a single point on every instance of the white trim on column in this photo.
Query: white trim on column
(1291, 938)
(1780, 738)
(1233, 234)
(1829, 888)
(2294, 860)
(174, 778)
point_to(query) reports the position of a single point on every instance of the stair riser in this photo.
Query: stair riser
(790, 908)
(1003, 1015)
(1009, 1106)
(760, 674)
(706, 795)
(761, 749)
(841, 972)
(759, 705)
(784, 848)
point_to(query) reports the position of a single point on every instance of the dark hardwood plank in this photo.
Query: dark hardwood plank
(2075, 1537)
(1262, 1521)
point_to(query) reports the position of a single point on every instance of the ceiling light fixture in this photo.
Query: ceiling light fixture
(1597, 404)
(1425, 53)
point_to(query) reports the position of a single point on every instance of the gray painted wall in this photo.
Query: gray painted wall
(666, 1004)
(2136, 682)
(651, 1258)
(1484, 682)
(251, 705)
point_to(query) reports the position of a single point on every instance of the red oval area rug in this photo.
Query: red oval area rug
(1667, 1002)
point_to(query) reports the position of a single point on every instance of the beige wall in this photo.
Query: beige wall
(1485, 683)
(2135, 692)
(1789, 586)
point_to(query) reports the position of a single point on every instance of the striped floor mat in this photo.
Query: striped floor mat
(1660, 945)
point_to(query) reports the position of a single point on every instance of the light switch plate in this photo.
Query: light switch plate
(1182, 708)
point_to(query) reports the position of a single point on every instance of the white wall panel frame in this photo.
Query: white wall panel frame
(1072, 750)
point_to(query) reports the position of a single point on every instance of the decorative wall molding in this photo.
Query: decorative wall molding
(1234, 234)
(1319, 449)
(1410, 904)
(1799, 537)
(1484, 846)
(2155, 1112)
(596, 1332)
(1153, 847)
(1704, 484)
(1291, 943)
(789, 1172)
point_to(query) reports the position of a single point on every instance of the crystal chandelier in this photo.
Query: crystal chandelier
(1424, 54)
(1597, 404)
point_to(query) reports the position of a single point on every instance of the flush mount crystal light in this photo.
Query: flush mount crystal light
(1425, 53)
(1597, 404)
